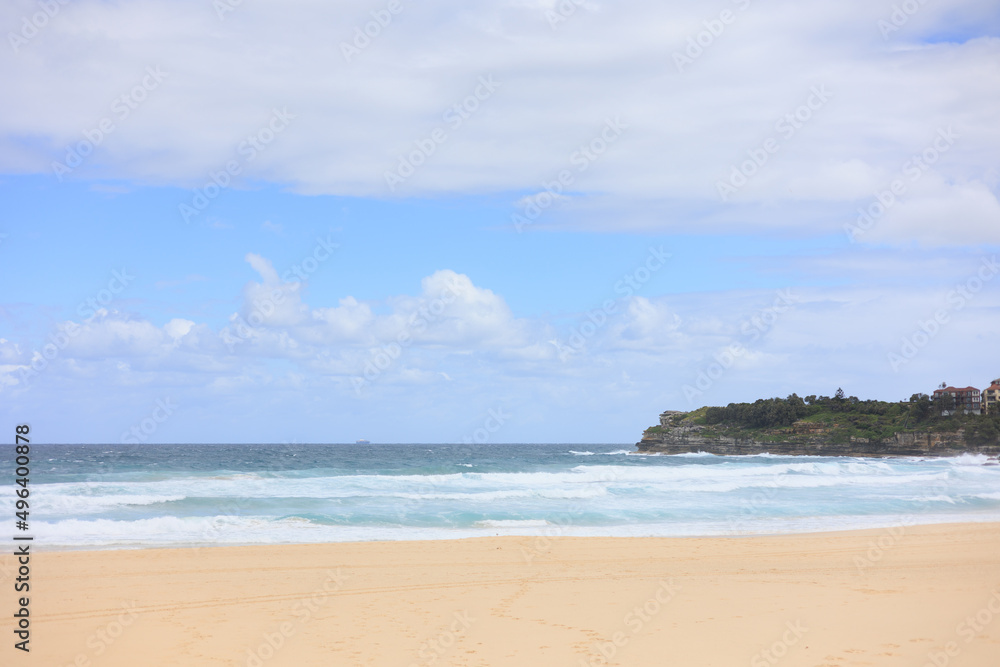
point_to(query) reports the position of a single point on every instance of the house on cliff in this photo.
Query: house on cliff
(967, 399)
(991, 398)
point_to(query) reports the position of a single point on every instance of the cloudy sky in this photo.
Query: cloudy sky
(504, 221)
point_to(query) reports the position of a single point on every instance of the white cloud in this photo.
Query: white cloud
(272, 227)
(648, 325)
(274, 302)
(471, 352)
(116, 336)
(9, 352)
(178, 328)
(264, 268)
(685, 129)
(351, 321)
(948, 214)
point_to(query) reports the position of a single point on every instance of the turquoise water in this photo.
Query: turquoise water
(122, 496)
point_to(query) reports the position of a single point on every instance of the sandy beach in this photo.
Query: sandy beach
(908, 596)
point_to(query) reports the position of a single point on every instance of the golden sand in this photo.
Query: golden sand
(910, 596)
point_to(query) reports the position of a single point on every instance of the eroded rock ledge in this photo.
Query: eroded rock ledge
(676, 436)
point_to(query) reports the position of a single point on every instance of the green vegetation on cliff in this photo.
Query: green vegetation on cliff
(840, 418)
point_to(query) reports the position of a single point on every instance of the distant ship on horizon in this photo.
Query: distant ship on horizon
(362, 441)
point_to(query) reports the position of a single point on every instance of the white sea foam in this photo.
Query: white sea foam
(212, 531)
(968, 459)
(512, 523)
(45, 501)
(493, 496)
(588, 481)
(698, 494)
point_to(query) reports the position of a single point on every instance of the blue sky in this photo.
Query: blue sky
(554, 248)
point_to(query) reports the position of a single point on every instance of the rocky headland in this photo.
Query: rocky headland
(690, 432)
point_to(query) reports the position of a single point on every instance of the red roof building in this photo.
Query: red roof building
(966, 398)
(991, 398)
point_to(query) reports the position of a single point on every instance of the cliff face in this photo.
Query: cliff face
(803, 439)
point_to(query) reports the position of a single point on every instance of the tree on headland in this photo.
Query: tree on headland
(983, 431)
(849, 417)
(762, 413)
(944, 403)
(920, 407)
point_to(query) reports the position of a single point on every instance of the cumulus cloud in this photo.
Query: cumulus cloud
(648, 325)
(274, 301)
(9, 351)
(452, 343)
(178, 328)
(349, 321)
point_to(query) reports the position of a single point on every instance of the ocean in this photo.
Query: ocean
(129, 496)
